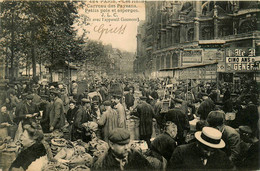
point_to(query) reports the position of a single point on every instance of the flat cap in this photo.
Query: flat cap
(119, 136)
(245, 129)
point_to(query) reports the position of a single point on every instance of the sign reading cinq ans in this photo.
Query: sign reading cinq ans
(240, 59)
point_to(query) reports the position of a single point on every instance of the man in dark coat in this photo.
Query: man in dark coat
(203, 154)
(205, 107)
(230, 136)
(129, 97)
(146, 114)
(226, 95)
(120, 156)
(57, 117)
(19, 107)
(45, 107)
(249, 158)
(103, 92)
(181, 119)
(71, 114)
(82, 115)
(28, 110)
(108, 120)
(164, 144)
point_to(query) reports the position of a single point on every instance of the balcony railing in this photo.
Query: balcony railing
(241, 35)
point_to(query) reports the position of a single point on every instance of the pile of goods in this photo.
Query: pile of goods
(53, 166)
(77, 155)
(97, 147)
(8, 145)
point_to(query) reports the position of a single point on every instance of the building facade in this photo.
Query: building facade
(203, 40)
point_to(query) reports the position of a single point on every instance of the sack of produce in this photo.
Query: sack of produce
(85, 159)
(80, 168)
(98, 147)
(54, 166)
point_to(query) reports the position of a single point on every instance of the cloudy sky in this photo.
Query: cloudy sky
(113, 23)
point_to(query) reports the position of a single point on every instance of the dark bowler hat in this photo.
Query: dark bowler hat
(216, 118)
(119, 136)
(85, 100)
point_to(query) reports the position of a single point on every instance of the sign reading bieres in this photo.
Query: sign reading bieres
(240, 59)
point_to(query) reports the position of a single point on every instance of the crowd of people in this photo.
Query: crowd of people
(185, 125)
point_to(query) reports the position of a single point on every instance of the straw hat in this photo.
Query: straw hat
(210, 137)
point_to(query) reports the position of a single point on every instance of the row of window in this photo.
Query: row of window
(206, 33)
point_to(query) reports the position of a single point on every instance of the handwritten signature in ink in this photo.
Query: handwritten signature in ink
(102, 29)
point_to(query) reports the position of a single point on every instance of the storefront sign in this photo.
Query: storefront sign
(191, 59)
(240, 59)
(210, 72)
(191, 56)
(212, 55)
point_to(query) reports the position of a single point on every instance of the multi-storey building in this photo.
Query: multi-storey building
(203, 40)
(139, 66)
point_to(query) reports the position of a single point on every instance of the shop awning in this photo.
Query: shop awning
(192, 66)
